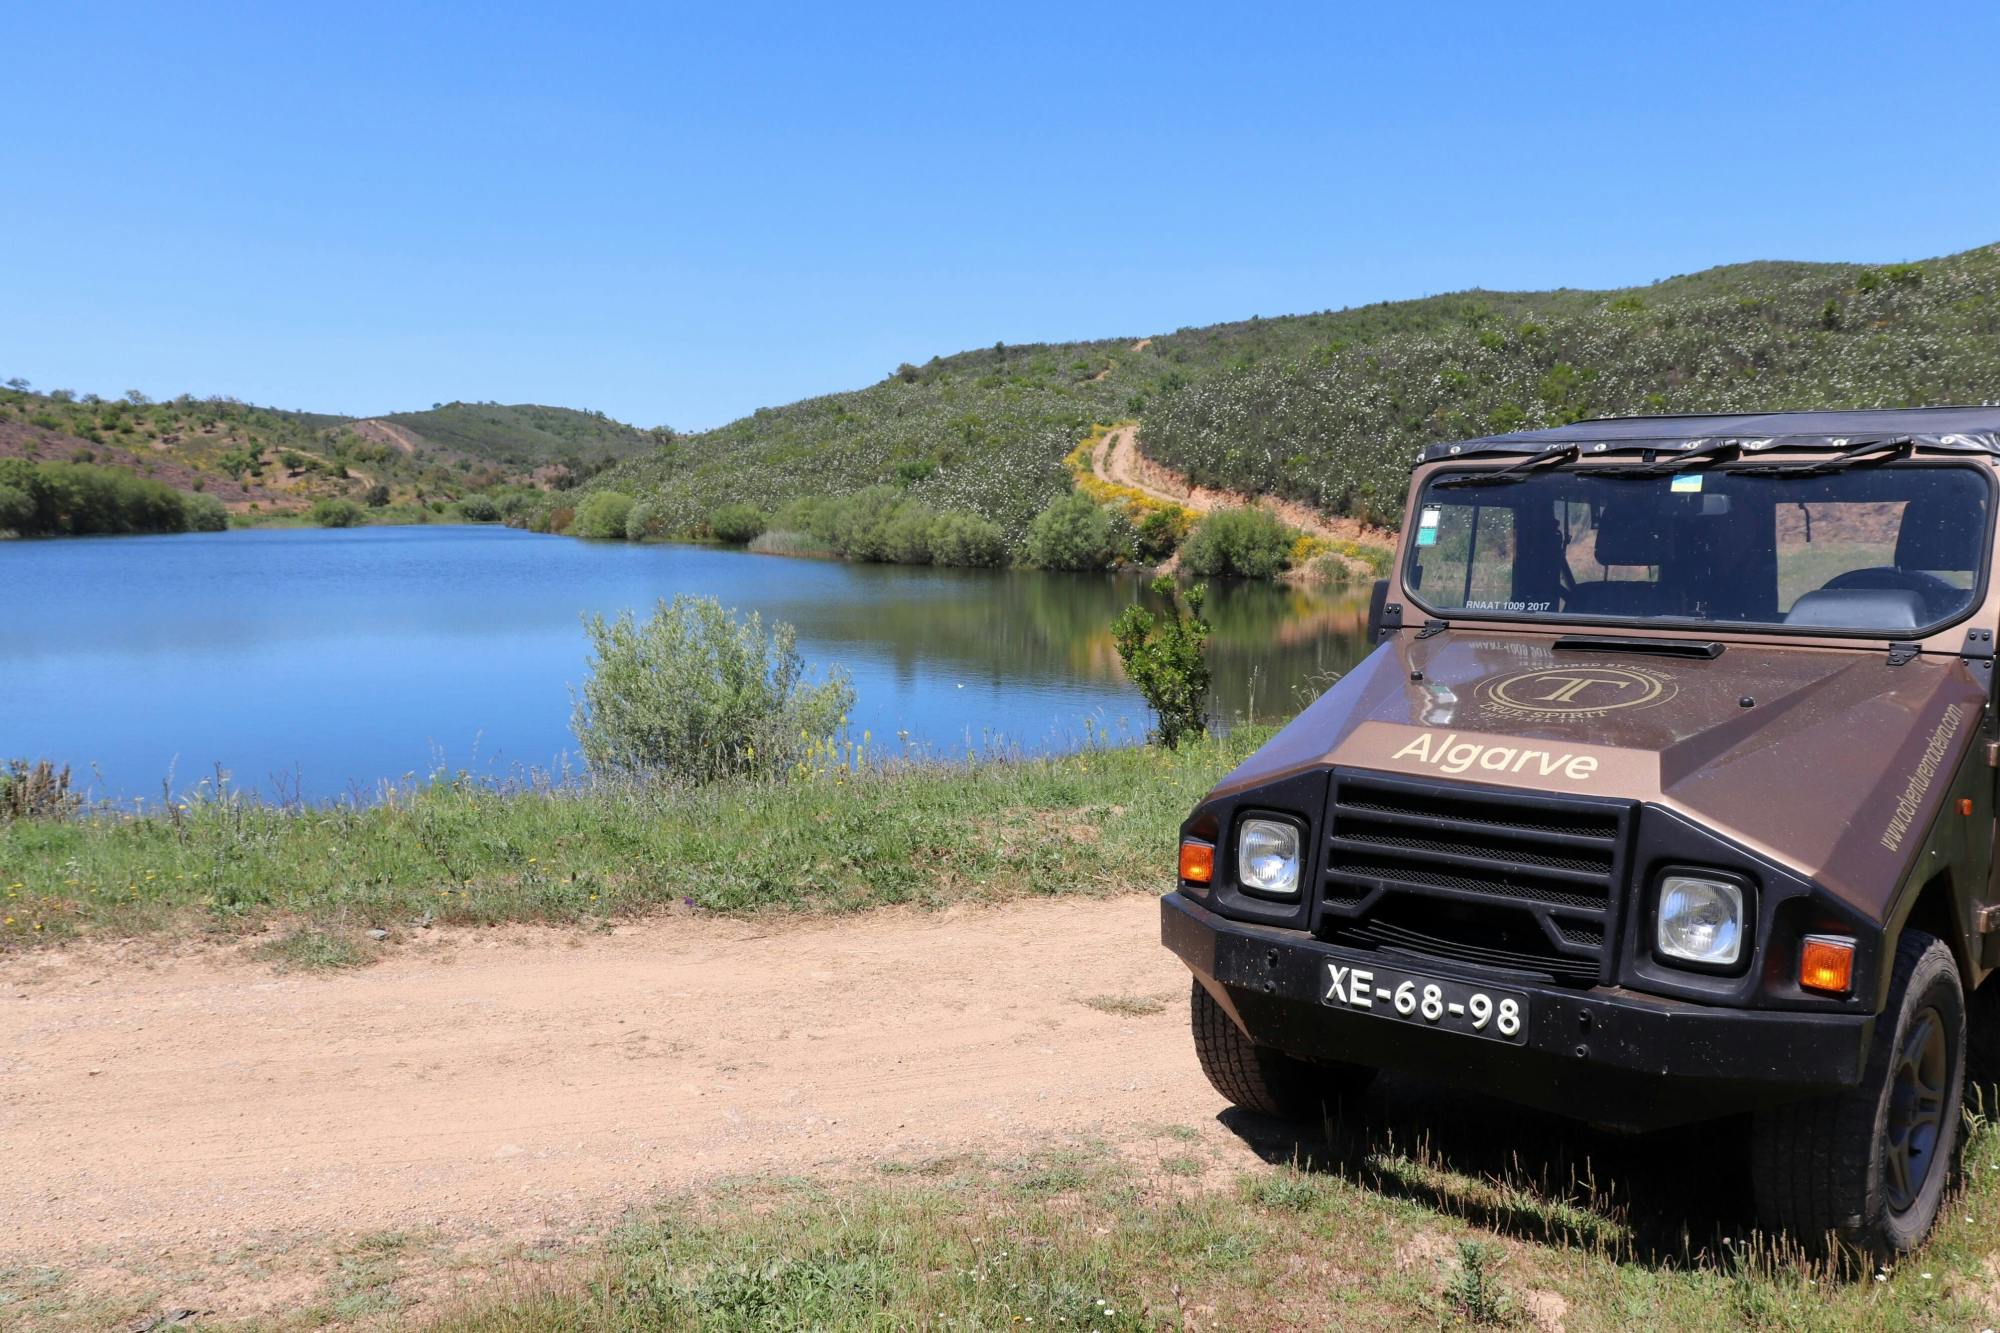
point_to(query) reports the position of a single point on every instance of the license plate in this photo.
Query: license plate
(1436, 1002)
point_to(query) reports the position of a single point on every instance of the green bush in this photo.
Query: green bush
(696, 693)
(376, 496)
(17, 510)
(205, 514)
(1160, 534)
(479, 509)
(73, 499)
(1240, 543)
(1074, 532)
(967, 540)
(602, 514)
(908, 535)
(857, 525)
(644, 521)
(1163, 659)
(736, 524)
(335, 513)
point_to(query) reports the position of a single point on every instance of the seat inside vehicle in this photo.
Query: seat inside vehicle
(1892, 610)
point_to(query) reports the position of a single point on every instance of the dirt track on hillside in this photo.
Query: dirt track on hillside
(1118, 459)
(505, 1082)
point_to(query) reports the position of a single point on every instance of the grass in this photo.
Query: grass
(1336, 1232)
(1100, 821)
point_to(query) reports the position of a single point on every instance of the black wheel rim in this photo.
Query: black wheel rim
(1916, 1109)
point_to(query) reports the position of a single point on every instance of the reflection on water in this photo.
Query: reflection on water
(330, 660)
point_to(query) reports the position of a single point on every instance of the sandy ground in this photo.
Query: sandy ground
(510, 1082)
(1118, 458)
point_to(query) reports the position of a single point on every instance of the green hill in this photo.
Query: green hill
(262, 461)
(1329, 408)
(526, 435)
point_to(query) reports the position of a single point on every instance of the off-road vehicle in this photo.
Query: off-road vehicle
(1666, 794)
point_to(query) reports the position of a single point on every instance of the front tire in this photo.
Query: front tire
(1867, 1167)
(1258, 1078)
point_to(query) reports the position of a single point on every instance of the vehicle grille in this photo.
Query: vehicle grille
(1516, 881)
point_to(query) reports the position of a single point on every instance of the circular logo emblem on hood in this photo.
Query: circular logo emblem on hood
(1581, 689)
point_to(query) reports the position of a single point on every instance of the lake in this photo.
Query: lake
(321, 662)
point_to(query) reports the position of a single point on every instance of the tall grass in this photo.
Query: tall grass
(849, 835)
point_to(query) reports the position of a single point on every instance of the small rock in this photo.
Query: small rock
(378, 934)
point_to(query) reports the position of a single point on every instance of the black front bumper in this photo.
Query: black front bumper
(1606, 1055)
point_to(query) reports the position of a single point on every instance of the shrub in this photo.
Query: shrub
(335, 513)
(602, 514)
(1160, 534)
(376, 496)
(17, 510)
(1163, 659)
(736, 524)
(645, 521)
(479, 509)
(72, 499)
(967, 540)
(906, 537)
(1074, 532)
(857, 525)
(696, 694)
(1243, 543)
(205, 514)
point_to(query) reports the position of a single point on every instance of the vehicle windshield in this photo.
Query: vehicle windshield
(1880, 550)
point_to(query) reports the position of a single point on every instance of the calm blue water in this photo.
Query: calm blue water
(323, 662)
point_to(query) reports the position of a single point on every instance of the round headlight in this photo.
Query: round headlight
(1700, 920)
(1267, 857)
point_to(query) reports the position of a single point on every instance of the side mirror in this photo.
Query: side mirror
(1377, 599)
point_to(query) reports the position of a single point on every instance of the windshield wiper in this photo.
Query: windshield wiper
(1515, 472)
(1871, 452)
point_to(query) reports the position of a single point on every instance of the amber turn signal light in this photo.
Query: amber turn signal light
(1826, 963)
(1197, 862)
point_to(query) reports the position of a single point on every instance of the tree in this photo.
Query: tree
(1163, 659)
(376, 496)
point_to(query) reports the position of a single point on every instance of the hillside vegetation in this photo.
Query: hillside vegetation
(261, 462)
(1329, 408)
(1336, 426)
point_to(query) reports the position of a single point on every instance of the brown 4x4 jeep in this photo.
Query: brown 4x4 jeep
(1668, 794)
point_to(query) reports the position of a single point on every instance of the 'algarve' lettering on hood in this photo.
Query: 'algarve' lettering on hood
(1449, 754)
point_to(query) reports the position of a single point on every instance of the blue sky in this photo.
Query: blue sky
(677, 215)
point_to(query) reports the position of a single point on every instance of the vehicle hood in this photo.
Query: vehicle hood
(1828, 761)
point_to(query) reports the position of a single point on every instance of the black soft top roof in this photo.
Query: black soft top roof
(1955, 429)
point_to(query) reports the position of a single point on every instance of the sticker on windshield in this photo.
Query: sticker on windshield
(1427, 525)
(1687, 483)
(1427, 536)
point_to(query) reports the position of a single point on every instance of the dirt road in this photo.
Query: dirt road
(510, 1081)
(1118, 459)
